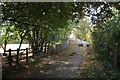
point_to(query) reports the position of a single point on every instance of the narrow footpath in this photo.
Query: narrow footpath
(65, 66)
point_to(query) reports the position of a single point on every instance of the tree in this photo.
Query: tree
(105, 37)
(83, 30)
(36, 22)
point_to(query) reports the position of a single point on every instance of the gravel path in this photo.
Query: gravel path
(64, 67)
(69, 67)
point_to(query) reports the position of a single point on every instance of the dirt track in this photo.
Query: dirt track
(65, 66)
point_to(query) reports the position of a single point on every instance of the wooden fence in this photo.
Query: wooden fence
(14, 56)
(17, 57)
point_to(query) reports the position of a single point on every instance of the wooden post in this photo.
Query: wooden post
(26, 55)
(10, 58)
(115, 57)
(33, 54)
(17, 58)
(115, 60)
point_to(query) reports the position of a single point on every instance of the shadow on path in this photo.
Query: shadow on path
(66, 66)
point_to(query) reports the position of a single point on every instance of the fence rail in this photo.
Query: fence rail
(16, 58)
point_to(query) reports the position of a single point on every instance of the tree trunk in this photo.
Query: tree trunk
(21, 42)
(4, 54)
(115, 59)
(45, 48)
(43, 41)
(5, 45)
(48, 47)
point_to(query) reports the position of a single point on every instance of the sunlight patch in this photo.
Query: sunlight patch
(51, 62)
(66, 62)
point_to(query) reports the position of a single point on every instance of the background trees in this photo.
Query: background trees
(83, 30)
(105, 45)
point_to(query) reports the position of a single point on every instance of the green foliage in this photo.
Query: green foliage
(106, 39)
(99, 69)
(92, 73)
(83, 30)
(10, 34)
(37, 22)
(106, 42)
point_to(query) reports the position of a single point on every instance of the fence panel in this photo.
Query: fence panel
(11, 58)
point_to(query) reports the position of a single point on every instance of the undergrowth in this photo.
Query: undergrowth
(93, 68)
